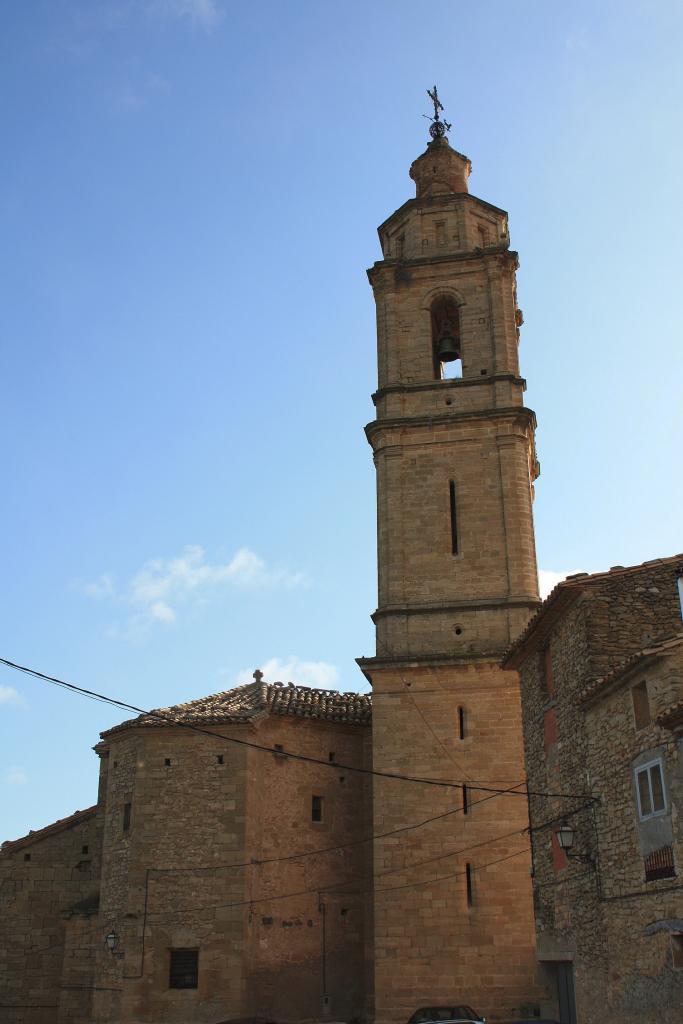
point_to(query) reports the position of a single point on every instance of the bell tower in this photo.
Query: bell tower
(453, 447)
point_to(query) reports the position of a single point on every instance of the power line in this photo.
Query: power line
(335, 765)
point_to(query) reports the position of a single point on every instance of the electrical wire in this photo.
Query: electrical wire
(335, 765)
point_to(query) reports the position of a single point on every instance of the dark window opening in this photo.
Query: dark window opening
(184, 968)
(167, 762)
(316, 808)
(331, 756)
(446, 348)
(126, 817)
(84, 849)
(461, 723)
(455, 546)
(677, 951)
(641, 705)
(465, 800)
(220, 759)
(27, 856)
(280, 751)
(468, 884)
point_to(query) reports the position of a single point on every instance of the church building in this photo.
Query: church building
(293, 854)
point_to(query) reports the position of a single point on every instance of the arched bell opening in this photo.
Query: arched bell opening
(446, 349)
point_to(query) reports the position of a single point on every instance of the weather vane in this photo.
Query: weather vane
(437, 128)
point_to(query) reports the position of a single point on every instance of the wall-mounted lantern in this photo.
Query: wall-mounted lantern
(565, 840)
(111, 941)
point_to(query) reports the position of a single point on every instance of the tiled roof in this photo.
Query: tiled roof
(57, 826)
(251, 700)
(563, 593)
(630, 665)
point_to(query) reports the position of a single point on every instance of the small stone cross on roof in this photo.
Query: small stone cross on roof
(258, 675)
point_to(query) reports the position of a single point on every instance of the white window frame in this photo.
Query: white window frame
(646, 768)
(680, 592)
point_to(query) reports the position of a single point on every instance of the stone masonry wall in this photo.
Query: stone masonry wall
(306, 952)
(641, 981)
(42, 877)
(432, 945)
(167, 881)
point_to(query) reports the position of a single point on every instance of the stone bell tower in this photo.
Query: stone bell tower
(453, 447)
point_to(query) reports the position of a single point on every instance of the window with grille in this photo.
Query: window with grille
(660, 864)
(650, 789)
(184, 968)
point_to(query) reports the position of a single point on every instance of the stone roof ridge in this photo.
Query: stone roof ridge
(651, 651)
(60, 825)
(570, 587)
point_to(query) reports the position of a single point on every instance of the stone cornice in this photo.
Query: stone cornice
(428, 607)
(501, 252)
(453, 199)
(521, 413)
(406, 661)
(447, 385)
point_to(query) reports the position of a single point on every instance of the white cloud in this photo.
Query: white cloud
(16, 776)
(205, 14)
(547, 579)
(161, 584)
(320, 674)
(10, 697)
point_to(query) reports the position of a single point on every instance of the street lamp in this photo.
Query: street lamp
(565, 840)
(111, 941)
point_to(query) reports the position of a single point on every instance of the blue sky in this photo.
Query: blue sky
(188, 203)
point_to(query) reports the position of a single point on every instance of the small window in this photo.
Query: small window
(184, 968)
(465, 800)
(280, 751)
(167, 762)
(650, 786)
(469, 888)
(677, 951)
(331, 756)
(84, 849)
(461, 723)
(220, 759)
(126, 817)
(27, 857)
(641, 705)
(316, 808)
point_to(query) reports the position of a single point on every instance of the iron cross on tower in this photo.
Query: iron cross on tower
(437, 128)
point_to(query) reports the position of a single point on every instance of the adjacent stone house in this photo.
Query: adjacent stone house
(185, 860)
(601, 669)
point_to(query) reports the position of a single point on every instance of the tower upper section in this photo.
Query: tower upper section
(452, 440)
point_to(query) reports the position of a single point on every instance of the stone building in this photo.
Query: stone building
(234, 880)
(187, 857)
(601, 669)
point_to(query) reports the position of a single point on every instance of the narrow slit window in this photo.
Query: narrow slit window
(455, 545)
(220, 758)
(316, 809)
(468, 885)
(465, 800)
(461, 723)
(126, 817)
(184, 968)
